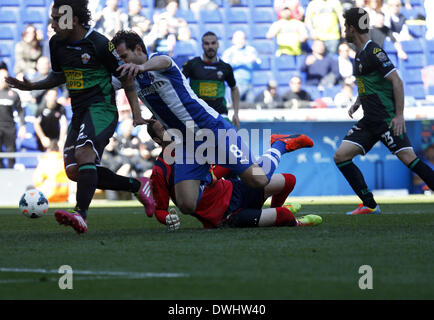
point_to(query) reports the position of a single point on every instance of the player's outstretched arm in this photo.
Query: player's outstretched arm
(53, 79)
(398, 122)
(157, 63)
(130, 91)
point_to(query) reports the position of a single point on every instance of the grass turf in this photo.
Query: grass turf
(262, 263)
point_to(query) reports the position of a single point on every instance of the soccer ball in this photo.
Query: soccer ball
(33, 204)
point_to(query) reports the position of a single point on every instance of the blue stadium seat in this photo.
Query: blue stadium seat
(32, 16)
(187, 15)
(258, 89)
(313, 91)
(27, 144)
(210, 16)
(299, 60)
(429, 45)
(415, 60)
(417, 2)
(332, 91)
(7, 48)
(264, 15)
(185, 48)
(7, 33)
(264, 46)
(415, 90)
(243, 3)
(265, 62)
(259, 30)
(238, 15)
(263, 3)
(10, 3)
(231, 28)
(8, 16)
(389, 47)
(394, 58)
(28, 162)
(283, 77)
(412, 46)
(430, 59)
(218, 29)
(412, 76)
(261, 78)
(431, 90)
(36, 3)
(285, 62)
(195, 31)
(413, 13)
(417, 31)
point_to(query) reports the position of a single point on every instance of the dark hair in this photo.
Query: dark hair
(79, 9)
(3, 66)
(358, 18)
(131, 40)
(208, 33)
(151, 131)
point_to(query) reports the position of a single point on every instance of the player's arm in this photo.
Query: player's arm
(156, 63)
(130, 91)
(354, 107)
(53, 80)
(235, 96)
(398, 122)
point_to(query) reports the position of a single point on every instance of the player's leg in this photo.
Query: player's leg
(280, 186)
(401, 147)
(187, 194)
(357, 141)
(10, 144)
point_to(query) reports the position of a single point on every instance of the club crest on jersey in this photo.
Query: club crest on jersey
(381, 56)
(219, 74)
(360, 67)
(85, 57)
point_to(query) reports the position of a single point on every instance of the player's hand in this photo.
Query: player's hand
(131, 69)
(353, 109)
(236, 121)
(398, 125)
(24, 85)
(172, 220)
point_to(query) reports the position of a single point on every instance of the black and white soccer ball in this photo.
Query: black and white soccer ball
(33, 204)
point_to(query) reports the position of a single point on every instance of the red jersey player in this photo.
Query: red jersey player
(227, 202)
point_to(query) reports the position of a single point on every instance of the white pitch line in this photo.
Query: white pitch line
(131, 275)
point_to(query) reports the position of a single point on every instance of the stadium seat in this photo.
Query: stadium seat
(264, 46)
(412, 76)
(6, 33)
(313, 91)
(389, 47)
(265, 62)
(210, 16)
(285, 62)
(8, 16)
(331, 92)
(431, 90)
(413, 13)
(185, 48)
(264, 15)
(415, 90)
(218, 29)
(195, 31)
(187, 15)
(10, 3)
(238, 15)
(417, 31)
(283, 77)
(429, 45)
(412, 46)
(258, 89)
(416, 60)
(263, 3)
(28, 162)
(261, 78)
(242, 3)
(259, 30)
(7, 48)
(32, 16)
(430, 59)
(36, 3)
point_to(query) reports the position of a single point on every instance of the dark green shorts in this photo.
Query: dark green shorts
(95, 125)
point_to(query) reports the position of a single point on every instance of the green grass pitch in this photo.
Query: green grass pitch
(126, 255)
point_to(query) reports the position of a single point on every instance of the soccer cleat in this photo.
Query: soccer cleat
(73, 219)
(292, 141)
(364, 210)
(144, 195)
(310, 220)
(293, 207)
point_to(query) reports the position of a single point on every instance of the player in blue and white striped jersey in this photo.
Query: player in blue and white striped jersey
(163, 88)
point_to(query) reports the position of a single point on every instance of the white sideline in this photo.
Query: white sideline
(122, 274)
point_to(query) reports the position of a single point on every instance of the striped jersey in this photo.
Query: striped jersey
(167, 94)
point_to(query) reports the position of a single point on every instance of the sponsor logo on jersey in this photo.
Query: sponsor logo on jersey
(376, 50)
(207, 89)
(74, 79)
(111, 46)
(85, 57)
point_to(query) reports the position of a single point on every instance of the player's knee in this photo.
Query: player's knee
(72, 173)
(186, 206)
(85, 154)
(407, 156)
(340, 157)
(257, 181)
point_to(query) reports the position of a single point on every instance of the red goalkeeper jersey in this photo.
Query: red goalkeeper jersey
(212, 205)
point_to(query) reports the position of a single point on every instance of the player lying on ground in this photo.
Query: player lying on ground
(226, 202)
(381, 95)
(86, 61)
(163, 88)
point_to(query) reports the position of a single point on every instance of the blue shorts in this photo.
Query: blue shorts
(244, 197)
(226, 149)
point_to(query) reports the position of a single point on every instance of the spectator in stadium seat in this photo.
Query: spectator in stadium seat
(136, 19)
(373, 8)
(269, 98)
(43, 67)
(50, 121)
(395, 21)
(321, 70)
(160, 39)
(244, 59)
(198, 5)
(50, 177)
(345, 98)
(380, 32)
(324, 21)
(345, 63)
(111, 20)
(9, 102)
(296, 97)
(290, 34)
(175, 25)
(27, 51)
(297, 11)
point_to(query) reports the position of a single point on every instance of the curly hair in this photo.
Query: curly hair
(79, 9)
(358, 18)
